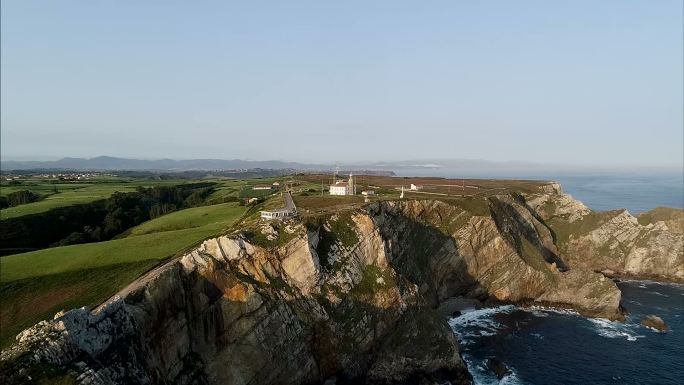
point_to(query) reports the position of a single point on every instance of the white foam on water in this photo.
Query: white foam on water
(537, 309)
(511, 379)
(483, 376)
(644, 283)
(614, 329)
(479, 318)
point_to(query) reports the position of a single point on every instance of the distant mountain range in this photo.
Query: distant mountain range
(113, 163)
(405, 167)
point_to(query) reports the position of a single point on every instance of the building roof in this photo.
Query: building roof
(341, 184)
(280, 210)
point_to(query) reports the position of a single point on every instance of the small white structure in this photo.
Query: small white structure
(262, 187)
(368, 193)
(416, 187)
(278, 214)
(344, 188)
(402, 193)
(289, 211)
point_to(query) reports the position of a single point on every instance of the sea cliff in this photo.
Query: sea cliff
(350, 297)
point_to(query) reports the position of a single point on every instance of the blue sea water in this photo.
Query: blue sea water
(545, 346)
(636, 192)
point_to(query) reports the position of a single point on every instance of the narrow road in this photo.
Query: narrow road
(289, 202)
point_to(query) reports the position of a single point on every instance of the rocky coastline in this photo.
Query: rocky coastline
(353, 297)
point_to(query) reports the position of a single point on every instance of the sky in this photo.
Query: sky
(572, 82)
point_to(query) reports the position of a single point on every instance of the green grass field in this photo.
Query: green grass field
(35, 285)
(216, 216)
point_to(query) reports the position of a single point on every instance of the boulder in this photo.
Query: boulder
(498, 367)
(654, 322)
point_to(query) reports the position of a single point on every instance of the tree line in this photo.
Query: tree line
(18, 198)
(100, 220)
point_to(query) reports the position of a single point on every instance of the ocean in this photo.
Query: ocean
(546, 346)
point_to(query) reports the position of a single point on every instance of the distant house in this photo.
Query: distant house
(275, 185)
(416, 187)
(368, 193)
(339, 188)
(344, 188)
(262, 187)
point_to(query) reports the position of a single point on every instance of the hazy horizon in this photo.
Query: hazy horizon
(474, 165)
(581, 83)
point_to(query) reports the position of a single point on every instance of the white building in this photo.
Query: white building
(344, 188)
(262, 187)
(368, 193)
(278, 214)
(416, 187)
(289, 211)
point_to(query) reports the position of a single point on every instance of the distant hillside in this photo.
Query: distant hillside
(112, 163)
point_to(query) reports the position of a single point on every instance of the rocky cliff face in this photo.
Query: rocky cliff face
(352, 295)
(501, 251)
(232, 312)
(615, 242)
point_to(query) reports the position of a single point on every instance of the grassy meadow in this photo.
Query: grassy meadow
(35, 285)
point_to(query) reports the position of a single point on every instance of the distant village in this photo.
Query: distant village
(70, 176)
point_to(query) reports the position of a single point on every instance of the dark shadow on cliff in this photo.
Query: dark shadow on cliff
(428, 258)
(518, 230)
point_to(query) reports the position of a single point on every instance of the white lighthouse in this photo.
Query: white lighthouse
(352, 185)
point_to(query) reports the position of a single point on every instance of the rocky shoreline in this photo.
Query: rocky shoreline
(358, 296)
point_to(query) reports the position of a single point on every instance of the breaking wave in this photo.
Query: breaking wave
(614, 329)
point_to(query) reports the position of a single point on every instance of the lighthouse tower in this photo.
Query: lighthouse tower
(352, 185)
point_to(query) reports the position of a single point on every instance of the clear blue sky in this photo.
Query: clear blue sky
(591, 82)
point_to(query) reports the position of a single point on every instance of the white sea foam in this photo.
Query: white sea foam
(480, 318)
(644, 283)
(536, 309)
(614, 329)
(483, 376)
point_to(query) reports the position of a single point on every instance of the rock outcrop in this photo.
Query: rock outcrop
(350, 296)
(654, 322)
(615, 242)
